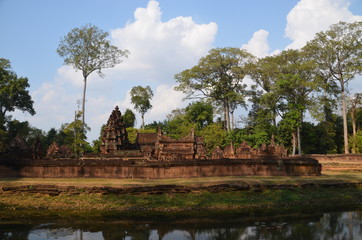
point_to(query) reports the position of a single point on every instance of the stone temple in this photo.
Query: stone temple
(152, 156)
(157, 146)
(150, 146)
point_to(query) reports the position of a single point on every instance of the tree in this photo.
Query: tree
(264, 73)
(354, 104)
(296, 81)
(214, 135)
(217, 77)
(141, 99)
(200, 113)
(87, 49)
(338, 54)
(13, 92)
(129, 118)
(75, 135)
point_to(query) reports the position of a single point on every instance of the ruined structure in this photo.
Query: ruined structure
(54, 151)
(152, 146)
(154, 155)
(114, 134)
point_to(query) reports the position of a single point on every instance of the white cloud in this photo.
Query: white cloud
(258, 45)
(158, 50)
(309, 17)
(162, 48)
(166, 99)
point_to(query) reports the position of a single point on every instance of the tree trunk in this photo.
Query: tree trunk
(232, 120)
(344, 115)
(83, 101)
(294, 142)
(299, 142)
(227, 116)
(353, 120)
(143, 121)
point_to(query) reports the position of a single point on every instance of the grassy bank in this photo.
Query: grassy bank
(309, 199)
(196, 203)
(296, 199)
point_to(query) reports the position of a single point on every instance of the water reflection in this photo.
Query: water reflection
(338, 225)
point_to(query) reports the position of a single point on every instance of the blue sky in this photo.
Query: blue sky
(164, 38)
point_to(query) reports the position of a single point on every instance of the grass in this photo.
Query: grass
(15, 205)
(202, 202)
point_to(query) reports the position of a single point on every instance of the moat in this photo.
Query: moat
(323, 225)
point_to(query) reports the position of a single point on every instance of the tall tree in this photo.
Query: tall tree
(87, 49)
(217, 77)
(141, 99)
(129, 118)
(13, 92)
(264, 73)
(338, 53)
(296, 81)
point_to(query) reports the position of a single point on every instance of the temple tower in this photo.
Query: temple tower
(114, 134)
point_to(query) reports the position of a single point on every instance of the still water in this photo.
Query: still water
(332, 225)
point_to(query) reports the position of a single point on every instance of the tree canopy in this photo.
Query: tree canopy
(14, 93)
(217, 77)
(338, 54)
(87, 49)
(141, 99)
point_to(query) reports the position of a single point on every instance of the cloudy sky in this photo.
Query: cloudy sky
(164, 37)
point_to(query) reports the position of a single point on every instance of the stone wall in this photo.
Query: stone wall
(336, 157)
(89, 168)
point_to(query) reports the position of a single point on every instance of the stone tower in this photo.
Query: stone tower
(114, 134)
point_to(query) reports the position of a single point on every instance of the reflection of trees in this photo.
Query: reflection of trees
(120, 232)
(345, 225)
(14, 232)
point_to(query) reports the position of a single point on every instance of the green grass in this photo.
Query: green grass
(15, 205)
(202, 202)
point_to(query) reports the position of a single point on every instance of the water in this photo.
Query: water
(332, 225)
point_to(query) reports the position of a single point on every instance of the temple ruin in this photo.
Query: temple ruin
(157, 146)
(150, 146)
(153, 155)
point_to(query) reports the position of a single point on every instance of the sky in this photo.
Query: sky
(163, 37)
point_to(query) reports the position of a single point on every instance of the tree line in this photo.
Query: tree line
(284, 88)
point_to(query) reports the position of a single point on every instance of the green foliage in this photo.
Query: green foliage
(356, 142)
(129, 118)
(214, 135)
(253, 138)
(155, 125)
(337, 53)
(141, 99)
(87, 49)
(13, 92)
(200, 113)
(24, 130)
(54, 135)
(217, 77)
(178, 126)
(75, 136)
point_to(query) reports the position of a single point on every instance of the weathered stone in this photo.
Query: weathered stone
(53, 150)
(217, 153)
(114, 134)
(36, 149)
